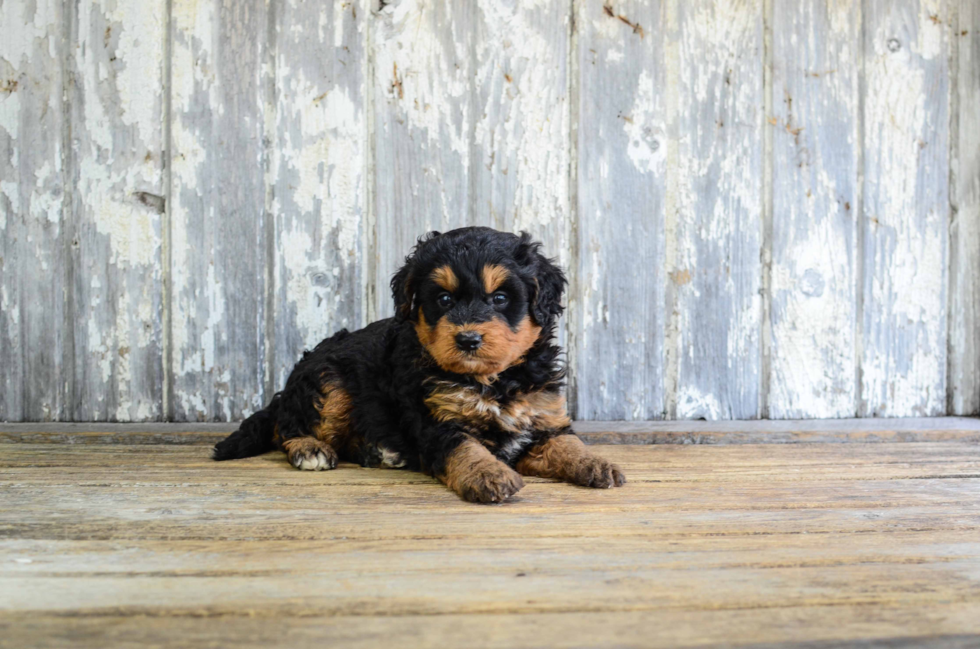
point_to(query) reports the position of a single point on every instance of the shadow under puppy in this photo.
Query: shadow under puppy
(464, 383)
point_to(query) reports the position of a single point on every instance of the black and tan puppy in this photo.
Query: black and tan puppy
(463, 383)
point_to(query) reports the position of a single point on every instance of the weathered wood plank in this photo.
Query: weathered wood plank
(906, 207)
(714, 210)
(815, 120)
(35, 347)
(423, 124)
(121, 466)
(419, 578)
(809, 542)
(519, 155)
(219, 243)
(828, 627)
(964, 266)
(318, 174)
(617, 302)
(117, 112)
(592, 432)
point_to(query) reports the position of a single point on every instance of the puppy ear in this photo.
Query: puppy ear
(547, 281)
(405, 281)
(402, 290)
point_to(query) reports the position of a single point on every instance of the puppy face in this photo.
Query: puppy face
(475, 297)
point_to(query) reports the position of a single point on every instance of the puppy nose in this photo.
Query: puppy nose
(468, 340)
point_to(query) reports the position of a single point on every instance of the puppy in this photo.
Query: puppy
(464, 383)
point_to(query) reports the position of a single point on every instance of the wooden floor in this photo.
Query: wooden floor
(789, 545)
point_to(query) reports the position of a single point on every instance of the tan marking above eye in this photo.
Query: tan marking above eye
(493, 277)
(446, 278)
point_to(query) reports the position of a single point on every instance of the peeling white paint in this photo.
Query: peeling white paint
(814, 257)
(23, 31)
(480, 117)
(416, 56)
(905, 208)
(643, 127)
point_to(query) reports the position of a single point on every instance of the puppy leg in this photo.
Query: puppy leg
(477, 476)
(313, 423)
(310, 454)
(566, 458)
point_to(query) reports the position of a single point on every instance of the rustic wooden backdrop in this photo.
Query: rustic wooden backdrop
(768, 208)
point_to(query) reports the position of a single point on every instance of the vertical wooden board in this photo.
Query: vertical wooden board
(714, 211)
(816, 64)
(35, 350)
(622, 164)
(219, 251)
(318, 173)
(423, 124)
(117, 113)
(906, 205)
(964, 267)
(520, 152)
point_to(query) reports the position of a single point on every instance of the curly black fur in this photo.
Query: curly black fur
(387, 373)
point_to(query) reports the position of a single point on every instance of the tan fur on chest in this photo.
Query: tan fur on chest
(531, 411)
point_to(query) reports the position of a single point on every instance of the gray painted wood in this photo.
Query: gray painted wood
(784, 431)
(815, 139)
(617, 301)
(117, 117)
(317, 175)
(520, 149)
(35, 229)
(964, 267)
(219, 244)
(906, 208)
(714, 210)
(313, 142)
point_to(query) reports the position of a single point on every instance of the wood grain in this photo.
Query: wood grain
(816, 66)
(733, 546)
(35, 219)
(714, 211)
(616, 305)
(118, 204)
(906, 208)
(317, 175)
(829, 627)
(219, 243)
(181, 219)
(592, 432)
(964, 265)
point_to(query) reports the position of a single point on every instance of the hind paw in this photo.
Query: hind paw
(310, 454)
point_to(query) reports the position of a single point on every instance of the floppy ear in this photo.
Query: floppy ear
(405, 281)
(402, 290)
(547, 281)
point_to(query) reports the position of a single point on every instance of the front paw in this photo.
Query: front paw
(488, 483)
(593, 471)
(310, 454)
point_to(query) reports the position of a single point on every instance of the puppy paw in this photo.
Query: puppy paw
(310, 454)
(488, 483)
(593, 471)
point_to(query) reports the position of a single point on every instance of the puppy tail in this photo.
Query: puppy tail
(253, 437)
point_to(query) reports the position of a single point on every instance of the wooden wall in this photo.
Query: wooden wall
(767, 208)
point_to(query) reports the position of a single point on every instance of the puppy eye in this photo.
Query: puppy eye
(500, 299)
(445, 300)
